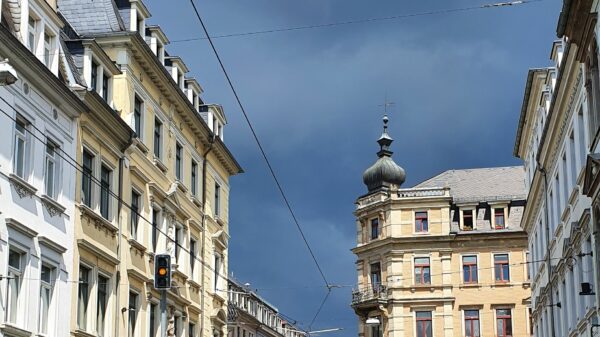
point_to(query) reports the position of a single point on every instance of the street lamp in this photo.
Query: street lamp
(8, 74)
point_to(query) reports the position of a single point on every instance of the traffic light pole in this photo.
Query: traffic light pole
(163, 312)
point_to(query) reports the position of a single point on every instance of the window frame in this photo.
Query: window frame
(15, 276)
(156, 226)
(502, 264)
(32, 32)
(54, 160)
(194, 178)
(421, 323)
(473, 321)
(83, 322)
(420, 226)
(422, 267)
(375, 270)
(24, 138)
(178, 161)
(193, 248)
(107, 302)
(158, 138)
(138, 115)
(135, 210)
(472, 271)
(48, 56)
(105, 191)
(132, 312)
(504, 319)
(87, 177)
(47, 286)
(472, 216)
(375, 229)
(217, 200)
(495, 209)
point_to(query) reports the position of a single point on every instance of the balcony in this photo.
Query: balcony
(369, 296)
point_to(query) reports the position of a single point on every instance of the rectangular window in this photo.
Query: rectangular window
(133, 299)
(15, 274)
(472, 323)
(469, 269)
(424, 323)
(102, 305)
(135, 210)
(32, 23)
(376, 328)
(468, 220)
(46, 286)
(48, 40)
(192, 255)
(178, 158)
(178, 232)
(83, 297)
(501, 268)
(499, 218)
(376, 276)
(217, 267)
(422, 270)
(137, 116)
(192, 330)
(194, 178)
(217, 200)
(21, 148)
(157, 137)
(528, 265)
(155, 228)
(105, 176)
(105, 87)
(86, 178)
(503, 323)
(50, 171)
(374, 229)
(421, 222)
(94, 77)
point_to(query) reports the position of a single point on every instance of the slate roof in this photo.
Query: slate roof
(481, 184)
(90, 17)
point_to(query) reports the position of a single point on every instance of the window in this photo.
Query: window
(135, 210)
(178, 156)
(472, 323)
(137, 116)
(503, 323)
(422, 270)
(469, 269)
(192, 255)
(374, 229)
(192, 330)
(21, 147)
(421, 223)
(528, 265)
(102, 305)
(499, 218)
(51, 173)
(46, 285)
(152, 319)
(105, 87)
(157, 137)
(468, 220)
(105, 175)
(48, 40)
(424, 324)
(83, 297)
(94, 77)
(15, 274)
(217, 200)
(178, 237)
(501, 268)
(376, 328)
(194, 178)
(133, 299)
(376, 276)
(33, 23)
(217, 267)
(155, 228)
(86, 178)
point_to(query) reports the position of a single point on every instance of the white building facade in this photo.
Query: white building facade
(39, 116)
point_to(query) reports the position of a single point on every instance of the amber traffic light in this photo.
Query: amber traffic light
(162, 271)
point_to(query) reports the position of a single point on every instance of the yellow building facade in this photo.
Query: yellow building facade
(444, 258)
(154, 179)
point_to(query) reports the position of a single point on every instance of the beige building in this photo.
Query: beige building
(444, 258)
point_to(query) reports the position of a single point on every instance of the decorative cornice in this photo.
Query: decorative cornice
(23, 188)
(51, 244)
(20, 227)
(53, 207)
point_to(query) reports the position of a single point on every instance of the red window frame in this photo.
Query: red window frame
(472, 268)
(421, 222)
(422, 323)
(504, 319)
(422, 267)
(499, 212)
(499, 265)
(470, 216)
(472, 321)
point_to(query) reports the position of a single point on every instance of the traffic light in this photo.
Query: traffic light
(162, 271)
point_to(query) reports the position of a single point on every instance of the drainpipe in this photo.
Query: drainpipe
(202, 257)
(541, 169)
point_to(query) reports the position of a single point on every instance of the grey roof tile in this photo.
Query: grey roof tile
(91, 16)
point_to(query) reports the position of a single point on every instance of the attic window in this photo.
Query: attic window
(468, 220)
(499, 218)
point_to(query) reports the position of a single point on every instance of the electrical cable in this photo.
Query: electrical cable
(367, 20)
(262, 151)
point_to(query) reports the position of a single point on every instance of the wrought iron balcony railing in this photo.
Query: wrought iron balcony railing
(376, 292)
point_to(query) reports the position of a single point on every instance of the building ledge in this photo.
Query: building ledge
(54, 208)
(159, 164)
(20, 227)
(137, 142)
(23, 188)
(135, 244)
(13, 330)
(99, 221)
(81, 333)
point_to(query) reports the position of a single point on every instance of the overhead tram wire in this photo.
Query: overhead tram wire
(262, 151)
(359, 21)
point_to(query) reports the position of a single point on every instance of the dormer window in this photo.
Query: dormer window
(499, 222)
(160, 53)
(140, 26)
(32, 33)
(48, 48)
(468, 220)
(94, 77)
(100, 79)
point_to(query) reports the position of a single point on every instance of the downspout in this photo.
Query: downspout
(202, 257)
(541, 169)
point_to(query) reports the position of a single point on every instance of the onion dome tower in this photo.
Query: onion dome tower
(385, 173)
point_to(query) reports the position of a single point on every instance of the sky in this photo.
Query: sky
(314, 98)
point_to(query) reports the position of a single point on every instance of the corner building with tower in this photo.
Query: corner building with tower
(446, 257)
